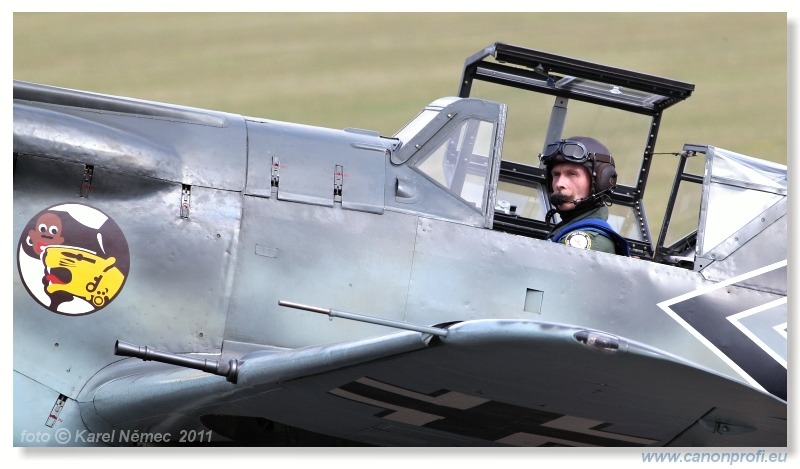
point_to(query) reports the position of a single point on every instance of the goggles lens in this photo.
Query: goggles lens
(571, 150)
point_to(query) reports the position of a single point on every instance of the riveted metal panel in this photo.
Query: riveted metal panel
(208, 149)
(364, 180)
(461, 274)
(34, 402)
(305, 160)
(767, 247)
(341, 259)
(174, 296)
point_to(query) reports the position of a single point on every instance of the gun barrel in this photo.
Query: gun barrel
(229, 370)
(362, 318)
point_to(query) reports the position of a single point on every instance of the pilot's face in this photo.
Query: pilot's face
(571, 181)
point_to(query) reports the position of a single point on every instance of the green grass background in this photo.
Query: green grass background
(377, 70)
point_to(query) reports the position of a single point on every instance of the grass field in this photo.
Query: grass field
(377, 70)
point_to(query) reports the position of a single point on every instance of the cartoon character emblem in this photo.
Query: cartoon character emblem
(73, 259)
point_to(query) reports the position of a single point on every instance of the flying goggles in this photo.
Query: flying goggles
(572, 152)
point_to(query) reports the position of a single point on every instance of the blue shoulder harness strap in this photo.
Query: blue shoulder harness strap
(598, 225)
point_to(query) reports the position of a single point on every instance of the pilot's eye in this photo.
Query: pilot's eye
(53, 230)
(42, 228)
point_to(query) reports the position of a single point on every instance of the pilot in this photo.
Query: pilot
(579, 172)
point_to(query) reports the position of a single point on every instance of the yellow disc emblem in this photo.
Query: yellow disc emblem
(73, 259)
(579, 239)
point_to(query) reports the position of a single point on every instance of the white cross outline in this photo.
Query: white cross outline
(665, 306)
(736, 321)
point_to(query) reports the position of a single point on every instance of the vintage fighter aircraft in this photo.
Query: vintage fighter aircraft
(189, 277)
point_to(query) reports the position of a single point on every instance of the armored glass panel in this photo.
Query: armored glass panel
(461, 162)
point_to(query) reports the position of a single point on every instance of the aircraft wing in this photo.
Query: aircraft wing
(486, 383)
